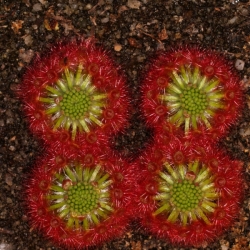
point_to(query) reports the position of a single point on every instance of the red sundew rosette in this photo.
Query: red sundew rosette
(65, 60)
(40, 198)
(228, 185)
(213, 66)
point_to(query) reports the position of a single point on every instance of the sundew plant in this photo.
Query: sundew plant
(182, 188)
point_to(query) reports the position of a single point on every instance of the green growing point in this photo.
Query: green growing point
(186, 193)
(80, 196)
(192, 98)
(74, 103)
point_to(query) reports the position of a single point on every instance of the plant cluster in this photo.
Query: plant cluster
(193, 89)
(73, 90)
(183, 188)
(78, 202)
(190, 191)
(79, 193)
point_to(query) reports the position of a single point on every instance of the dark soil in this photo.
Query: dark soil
(132, 30)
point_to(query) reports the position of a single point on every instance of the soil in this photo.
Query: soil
(132, 30)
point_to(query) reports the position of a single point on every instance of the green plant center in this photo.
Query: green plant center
(186, 196)
(82, 198)
(186, 193)
(192, 98)
(75, 103)
(194, 101)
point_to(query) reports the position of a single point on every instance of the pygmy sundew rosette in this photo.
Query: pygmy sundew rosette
(188, 196)
(194, 89)
(80, 202)
(76, 88)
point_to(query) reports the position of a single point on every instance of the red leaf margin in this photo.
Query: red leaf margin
(228, 182)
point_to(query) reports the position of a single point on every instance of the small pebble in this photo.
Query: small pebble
(37, 7)
(224, 247)
(9, 200)
(245, 132)
(233, 20)
(88, 6)
(28, 40)
(239, 64)
(9, 121)
(140, 58)
(26, 55)
(117, 47)
(8, 179)
(105, 20)
(12, 148)
(133, 4)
